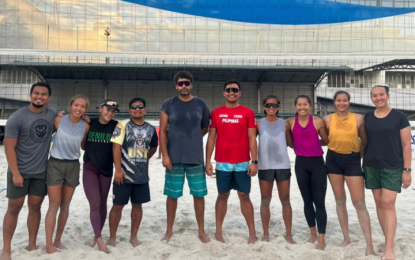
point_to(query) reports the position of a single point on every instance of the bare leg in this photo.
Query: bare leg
(9, 225)
(33, 220)
(287, 213)
(357, 193)
(266, 195)
(220, 211)
(377, 195)
(67, 193)
(248, 212)
(337, 183)
(313, 238)
(115, 217)
(54, 194)
(171, 207)
(136, 216)
(199, 205)
(388, 206)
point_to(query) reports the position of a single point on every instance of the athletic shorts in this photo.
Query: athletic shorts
(343, 164)
(138, 193)
(33, 184)
(233, 176)
(274, 174)
(377, 178)
(195, 173)
(63, 172)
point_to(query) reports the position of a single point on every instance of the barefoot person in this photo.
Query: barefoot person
(134, 143)
(233, 130)
(343, 165)
(97, 170)
(27, 141)
(187, 120)
(309, 166)
(387, 161)
(63, 168)
(274, 164)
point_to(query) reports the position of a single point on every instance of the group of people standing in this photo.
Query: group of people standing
(382, 137)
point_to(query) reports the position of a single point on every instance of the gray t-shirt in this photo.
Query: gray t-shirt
(184, 137)
(33, 132)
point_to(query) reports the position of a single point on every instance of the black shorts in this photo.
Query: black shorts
(139, 193)
(344, 164)
(274, 174)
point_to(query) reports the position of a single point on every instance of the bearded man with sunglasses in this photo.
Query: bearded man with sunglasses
(233, 130)
(187, 119)
(134, 142)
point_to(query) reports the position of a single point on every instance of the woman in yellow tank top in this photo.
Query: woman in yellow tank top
(343, 164)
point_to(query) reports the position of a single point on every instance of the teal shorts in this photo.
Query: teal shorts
(378, 178)
(173, 186)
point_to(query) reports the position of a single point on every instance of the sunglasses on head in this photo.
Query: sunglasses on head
(183, 83)
(232, 90)
(134, 107)
(109, 103)
(273, 105)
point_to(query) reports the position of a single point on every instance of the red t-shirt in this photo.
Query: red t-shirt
(232, 142)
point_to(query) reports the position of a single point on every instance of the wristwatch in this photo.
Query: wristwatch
(254, 161)
(407, 169)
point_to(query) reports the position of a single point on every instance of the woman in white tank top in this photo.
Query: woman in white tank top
(274, 165)
(63, 168)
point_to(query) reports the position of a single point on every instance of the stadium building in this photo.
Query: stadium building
(127, 48)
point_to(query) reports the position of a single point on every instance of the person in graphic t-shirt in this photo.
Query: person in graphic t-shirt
(134, 142)
(97, 170)
(233, 130)
(184, 120)
(387, 161)
(27, 140)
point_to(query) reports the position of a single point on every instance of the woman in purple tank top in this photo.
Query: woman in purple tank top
(309, 166)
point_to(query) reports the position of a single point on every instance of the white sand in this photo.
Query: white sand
(185, 244)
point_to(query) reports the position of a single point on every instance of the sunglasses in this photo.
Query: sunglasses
(134, 107)
(183, 83)
(232, 90)
(109, 103)
(273, 105)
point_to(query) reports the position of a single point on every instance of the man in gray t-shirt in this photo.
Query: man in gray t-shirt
(187, 120)
(27, 142)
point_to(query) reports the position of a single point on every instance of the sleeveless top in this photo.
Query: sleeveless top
(68, 140)
(306, 140)
(272, 152)
(343, 134)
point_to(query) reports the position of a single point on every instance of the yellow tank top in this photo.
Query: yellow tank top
(343, 134)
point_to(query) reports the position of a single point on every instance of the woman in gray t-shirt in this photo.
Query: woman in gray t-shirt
(274, 164)
(63, 168)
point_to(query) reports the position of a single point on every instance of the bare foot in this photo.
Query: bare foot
(203, 237)
(51, 249)
(167, 237)
(320, 246)
(58, 244)
(101, 245)
(219, 237)
(91, 243)
(312, 239)
(265, 238)
(31, 248)
(370, 252)
(388, 255)
(290, 239)
(381, 250)
(252, 239)
(6, 256)
(111, 242)
(345, 242)
(135, 242)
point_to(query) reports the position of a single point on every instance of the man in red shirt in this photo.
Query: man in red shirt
(234, 131)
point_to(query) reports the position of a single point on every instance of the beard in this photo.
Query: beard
(37, 106)
(184, 93)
